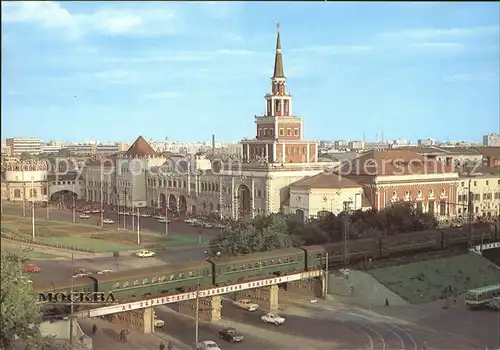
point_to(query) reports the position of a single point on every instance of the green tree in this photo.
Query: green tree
(25, 156)
(257, 235)
(19, 324)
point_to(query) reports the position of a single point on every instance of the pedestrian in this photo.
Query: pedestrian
(162, 346)
(386, 302)
(94, 329)
(170, 346)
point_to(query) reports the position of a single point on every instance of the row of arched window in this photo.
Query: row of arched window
(32, 193)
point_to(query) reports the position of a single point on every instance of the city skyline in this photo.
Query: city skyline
(419, 69)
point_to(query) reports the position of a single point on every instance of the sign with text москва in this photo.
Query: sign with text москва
(202, 294)
(77, 298)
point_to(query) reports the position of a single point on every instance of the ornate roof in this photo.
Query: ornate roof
(140, 148)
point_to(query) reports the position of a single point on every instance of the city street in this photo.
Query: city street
(176, 227)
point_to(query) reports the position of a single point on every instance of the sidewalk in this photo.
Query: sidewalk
(107, 332)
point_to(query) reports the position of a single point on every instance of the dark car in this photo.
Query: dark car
(231, 335)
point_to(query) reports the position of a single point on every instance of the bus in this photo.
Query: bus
(480, 297)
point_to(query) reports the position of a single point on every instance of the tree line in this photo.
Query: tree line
(278, 231)
(21, 315)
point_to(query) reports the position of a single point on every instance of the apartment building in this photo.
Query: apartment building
(19, 145)
(484, 186)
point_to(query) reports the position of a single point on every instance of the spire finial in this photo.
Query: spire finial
(278, 59)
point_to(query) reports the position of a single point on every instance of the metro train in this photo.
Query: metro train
(228, 270)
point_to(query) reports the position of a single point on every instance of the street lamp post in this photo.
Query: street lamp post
(197, 324)
(32, 209)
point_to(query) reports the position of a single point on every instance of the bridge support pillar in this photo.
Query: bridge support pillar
(216, 308)
(273, 298)
(148, 320)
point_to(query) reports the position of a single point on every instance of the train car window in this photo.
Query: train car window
(126, 284)
(234, 268)
(181, 276)
(172, 277)
(191, 274)
(116, 285)
(285, 260)
(278, 261)
(136, 282)
(154, 280)
(219, 270)
(272, 262)
(162, 278)
(144, 281)
(263, 263)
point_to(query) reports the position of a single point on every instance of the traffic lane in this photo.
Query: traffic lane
(183, 328)
(177, 227)
(348, 330)
(480, 328)
(301, 326)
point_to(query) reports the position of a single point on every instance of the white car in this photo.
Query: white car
(188, 221)
(273, 318)
(164, 221)
(108, 221)
(207, 345)
(145, 254)
(104, 272)
(145, 216)
(159, 323)
(84, 216)
(246, 304)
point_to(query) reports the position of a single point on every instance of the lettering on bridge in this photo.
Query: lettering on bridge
(202, 293)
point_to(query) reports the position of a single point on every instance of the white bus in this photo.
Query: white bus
(480, 297)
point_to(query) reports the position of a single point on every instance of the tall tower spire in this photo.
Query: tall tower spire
(278, 58)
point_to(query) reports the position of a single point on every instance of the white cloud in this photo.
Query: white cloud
(439, 33)
(162, 95)
(116, 76)
(182, 56)
(220, 9)
(335, 49)
(111, 21)
(471, 77)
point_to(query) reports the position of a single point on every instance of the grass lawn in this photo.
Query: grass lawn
(89, 237)
(426, 281)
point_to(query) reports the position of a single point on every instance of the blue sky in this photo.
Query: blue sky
(187, 70)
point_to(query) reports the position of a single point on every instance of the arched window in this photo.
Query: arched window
(17, 193)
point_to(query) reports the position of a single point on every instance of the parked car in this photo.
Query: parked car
(145, 216)
(145, 254)
(81, 273)
(104, 272)
(164, 220)
(31, 268)
(84, 216)
(246, 304)
(273, 318)
(189, 221)
(231, 335)
(207, 225)
(207, 345)
(108, 221)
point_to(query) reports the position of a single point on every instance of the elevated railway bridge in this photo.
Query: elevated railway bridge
(140, 314)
